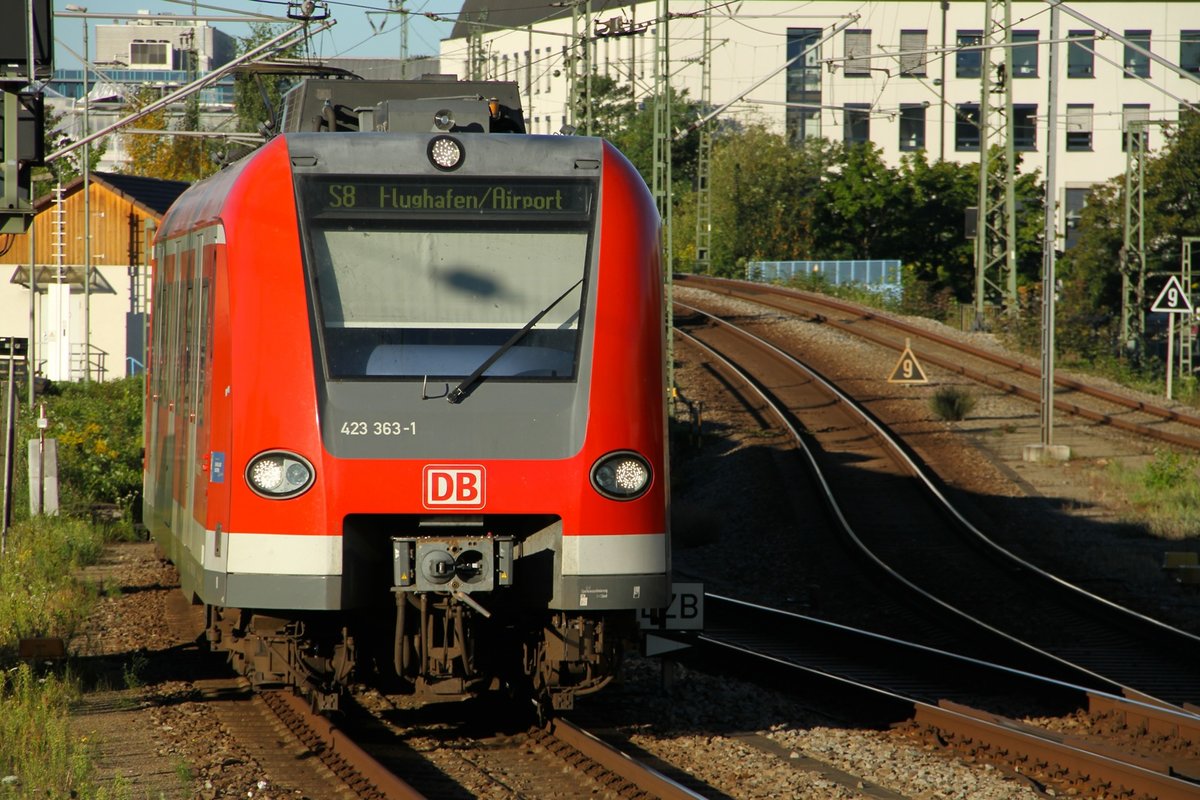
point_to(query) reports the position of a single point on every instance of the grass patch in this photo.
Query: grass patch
(1164, 495)
(952, 403)
(38, 754)
(39, 596)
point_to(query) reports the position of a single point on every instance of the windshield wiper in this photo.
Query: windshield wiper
(459, 392)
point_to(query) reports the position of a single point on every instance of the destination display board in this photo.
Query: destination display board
(358, 196)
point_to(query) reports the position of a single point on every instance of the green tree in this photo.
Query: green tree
(629, 125)
(259, 96)
(1172, 208)
(613, 106)
(766, 196)
(933, 241)
(1091, 270)
(156, 155)
(863, 206)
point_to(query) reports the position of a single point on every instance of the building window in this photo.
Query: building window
(1131, 115)
(968, 63)
(858, 51)
(1189, 51)
(966, 127)
(1079, 128)
(1025, 54)
(912, 53)
(803, 115)
(912, 126)
(149, 54)
(1081, 58)
(1137, 64)
(856, 124)
(1025, 127)
(1074, 201)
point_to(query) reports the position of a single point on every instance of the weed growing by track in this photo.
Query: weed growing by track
(1164, 495)
(98, 427)
(40, 597)
(952, 403)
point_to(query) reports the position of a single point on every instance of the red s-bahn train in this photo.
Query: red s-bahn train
(405, 413)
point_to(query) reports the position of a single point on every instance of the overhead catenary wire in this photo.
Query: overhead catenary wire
(286, 39)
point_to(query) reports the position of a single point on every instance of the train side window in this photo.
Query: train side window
(204, 335)
(170, 334)
(157, 308)
(189, 330)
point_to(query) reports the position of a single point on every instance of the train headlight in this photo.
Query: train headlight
(279, 475)
(623, 475)
(446, 153)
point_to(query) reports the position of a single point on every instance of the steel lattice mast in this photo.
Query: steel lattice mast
(704, 156)
(995, 232)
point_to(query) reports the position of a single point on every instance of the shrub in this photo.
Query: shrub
(1163, 496)
(952, 403)
(98, 427)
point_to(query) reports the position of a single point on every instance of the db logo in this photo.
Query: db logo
(453, 486)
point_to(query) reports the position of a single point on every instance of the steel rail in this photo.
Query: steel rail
(1096, 763)
(831, 502)
(368, 778)
(612, 759)
(959, 722)
(902, 453)
(753, 292)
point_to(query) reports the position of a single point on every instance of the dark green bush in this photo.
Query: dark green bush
(98, 427)
(952, 403)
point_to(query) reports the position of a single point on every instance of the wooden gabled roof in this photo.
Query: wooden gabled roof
(152, 195)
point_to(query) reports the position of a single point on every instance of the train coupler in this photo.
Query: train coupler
(455, 564)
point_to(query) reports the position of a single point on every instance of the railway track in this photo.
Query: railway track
(1112, 758)
(928, 546)
(973, 707)
(480, 750)
(394, 754)
(1160, 423)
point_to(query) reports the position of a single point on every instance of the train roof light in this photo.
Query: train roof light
(446, 153)
(278, 475)
(623, 475)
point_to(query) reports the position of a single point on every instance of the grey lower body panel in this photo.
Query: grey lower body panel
(612, 592)
(292, 592)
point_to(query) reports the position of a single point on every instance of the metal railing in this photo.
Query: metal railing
(88, 362)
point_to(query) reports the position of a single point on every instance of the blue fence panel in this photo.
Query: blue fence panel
(877, 274)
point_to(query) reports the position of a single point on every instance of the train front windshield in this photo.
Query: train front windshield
(413, 281)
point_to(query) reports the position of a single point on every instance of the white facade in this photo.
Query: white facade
(161, 42)
(900, 98)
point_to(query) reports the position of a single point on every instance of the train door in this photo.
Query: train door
(150, 415)
(196, 308)
(162, 395)
(214, 438)
(181, 328)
